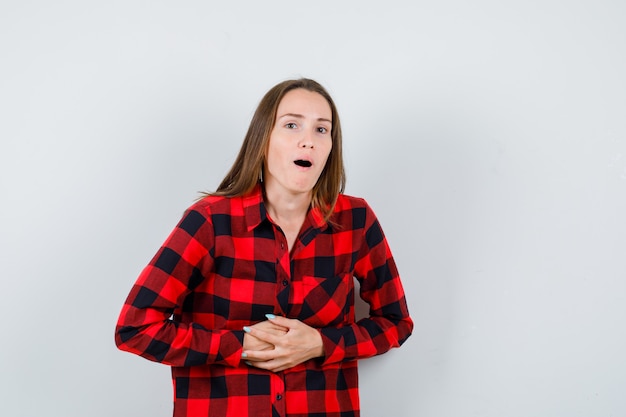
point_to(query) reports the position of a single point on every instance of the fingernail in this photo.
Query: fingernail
(244, 355)
(246, 329)
(270, 316)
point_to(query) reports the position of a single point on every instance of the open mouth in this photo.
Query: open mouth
(303, 163)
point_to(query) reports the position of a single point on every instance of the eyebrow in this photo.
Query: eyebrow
(299, 116)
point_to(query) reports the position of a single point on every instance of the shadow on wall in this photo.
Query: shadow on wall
(361, 308)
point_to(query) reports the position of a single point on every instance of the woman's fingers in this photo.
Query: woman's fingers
(256, 335)
(296, 345)
(269, 335)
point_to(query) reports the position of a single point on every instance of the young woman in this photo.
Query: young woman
(250, 300)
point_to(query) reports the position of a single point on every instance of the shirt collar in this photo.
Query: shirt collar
(255, 211)
(254, 208)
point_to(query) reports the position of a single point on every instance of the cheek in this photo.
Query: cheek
(273, 155)
(328, 150)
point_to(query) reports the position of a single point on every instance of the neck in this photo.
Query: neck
(287, 208)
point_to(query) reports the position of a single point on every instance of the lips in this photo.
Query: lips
(303, 163)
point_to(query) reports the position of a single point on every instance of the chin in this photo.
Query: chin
(301, 190)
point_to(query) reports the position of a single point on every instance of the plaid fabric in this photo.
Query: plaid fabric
(226, 265)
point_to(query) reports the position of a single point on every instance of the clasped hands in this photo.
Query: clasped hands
(280, 343)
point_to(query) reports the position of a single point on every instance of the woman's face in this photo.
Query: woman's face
(299, 144)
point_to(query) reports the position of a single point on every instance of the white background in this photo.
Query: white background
(488, 136)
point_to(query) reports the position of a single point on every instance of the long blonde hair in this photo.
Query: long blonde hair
(248, 166)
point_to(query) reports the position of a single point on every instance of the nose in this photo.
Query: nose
(306, 141)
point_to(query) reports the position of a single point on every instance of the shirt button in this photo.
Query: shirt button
(279, 397)
(282, 245)
(285, 283)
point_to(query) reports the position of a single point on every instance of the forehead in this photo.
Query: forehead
(306, 103)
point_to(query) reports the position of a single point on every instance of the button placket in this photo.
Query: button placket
(277, 391)
(282, 259)
(283, 273)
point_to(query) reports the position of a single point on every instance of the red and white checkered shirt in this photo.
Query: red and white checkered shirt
(225, 266)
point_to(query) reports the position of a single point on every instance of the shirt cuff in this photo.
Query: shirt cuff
(230, 348)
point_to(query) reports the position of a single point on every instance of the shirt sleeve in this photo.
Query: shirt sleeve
(148, 325)
(389, 323)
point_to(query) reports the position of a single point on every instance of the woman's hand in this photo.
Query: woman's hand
(297, 344)
(250, 342)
